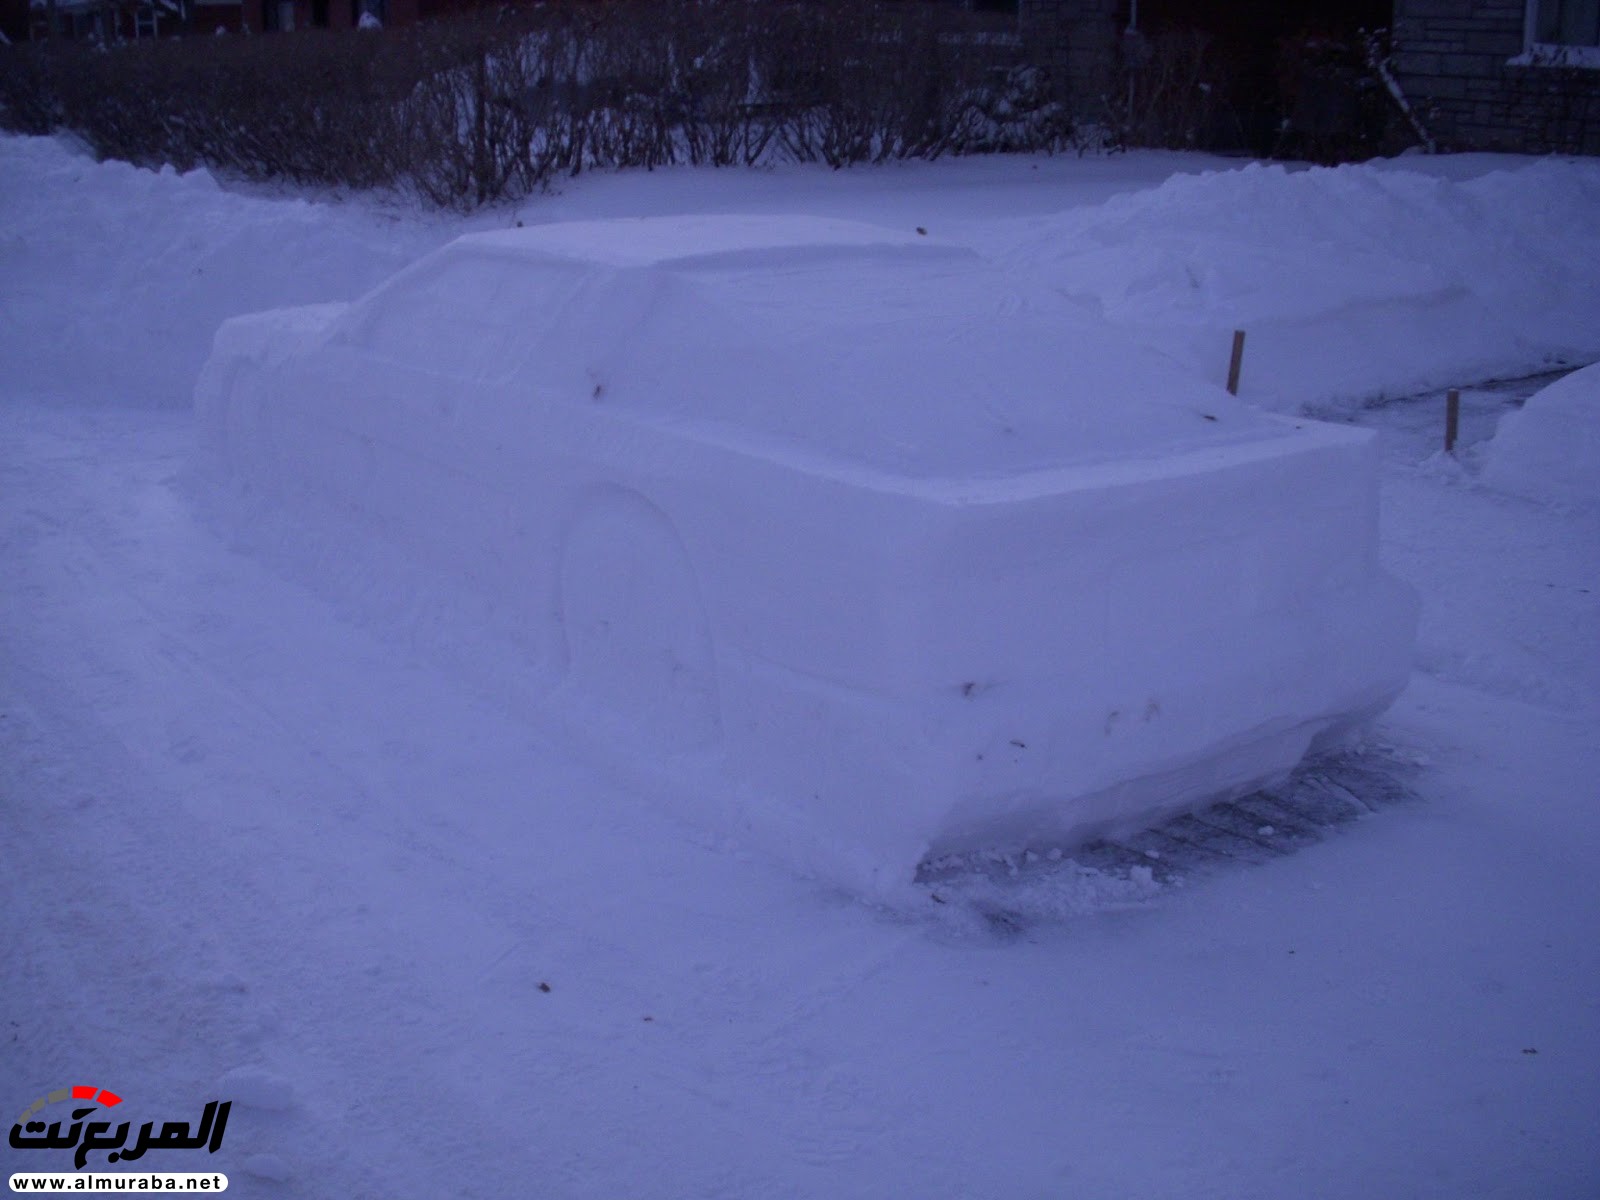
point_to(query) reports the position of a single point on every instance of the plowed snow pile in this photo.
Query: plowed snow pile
(125, 273)
(1349, 283)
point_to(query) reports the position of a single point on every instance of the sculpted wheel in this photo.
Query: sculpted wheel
(638, 640)
(246, 440)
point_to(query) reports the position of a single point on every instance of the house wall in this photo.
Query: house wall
(1451, 61)
(1077, 40)
(116, 21)
(209, 16)
(1082, 41)
(327, 14)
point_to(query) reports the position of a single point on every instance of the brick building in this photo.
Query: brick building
(1515, 75)
(1091, 43)
(285, 15)
(1520, 75)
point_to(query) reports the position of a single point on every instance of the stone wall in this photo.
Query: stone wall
(1450, 57)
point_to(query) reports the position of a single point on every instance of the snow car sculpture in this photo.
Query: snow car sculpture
(908, 557)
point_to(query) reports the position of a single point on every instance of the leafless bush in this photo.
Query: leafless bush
(1018, 109)
(1174, 92)
(29, 102)
(317, 109)
(474, 110)
(1558, 106)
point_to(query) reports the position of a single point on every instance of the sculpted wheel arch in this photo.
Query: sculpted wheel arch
(635, 630)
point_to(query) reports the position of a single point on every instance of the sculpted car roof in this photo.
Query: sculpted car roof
(726, 242)
(786, 336)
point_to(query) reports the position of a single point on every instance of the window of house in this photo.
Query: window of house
(277, 16)
(1563, 33)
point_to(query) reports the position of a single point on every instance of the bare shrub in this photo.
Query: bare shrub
(862, 83)
(1176, 94)
(495, 105)
(29, 99)
(1557, 105)
(317, 109)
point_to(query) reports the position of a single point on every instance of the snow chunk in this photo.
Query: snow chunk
(1550, 55)
(1550, 449)
(253, 1087)
(267, 1166)
(1350, 282)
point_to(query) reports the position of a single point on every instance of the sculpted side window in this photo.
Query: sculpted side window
(472, 317)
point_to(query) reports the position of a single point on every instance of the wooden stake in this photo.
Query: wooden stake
(1236, 362)
(1452, 419)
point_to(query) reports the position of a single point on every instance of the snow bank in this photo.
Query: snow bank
(1350, 283)
(1550, 448)
(846, 528)
(115, 277)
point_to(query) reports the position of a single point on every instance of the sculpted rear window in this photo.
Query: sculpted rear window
(470, 316)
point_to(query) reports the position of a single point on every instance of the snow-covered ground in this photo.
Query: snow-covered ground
(265, 841)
